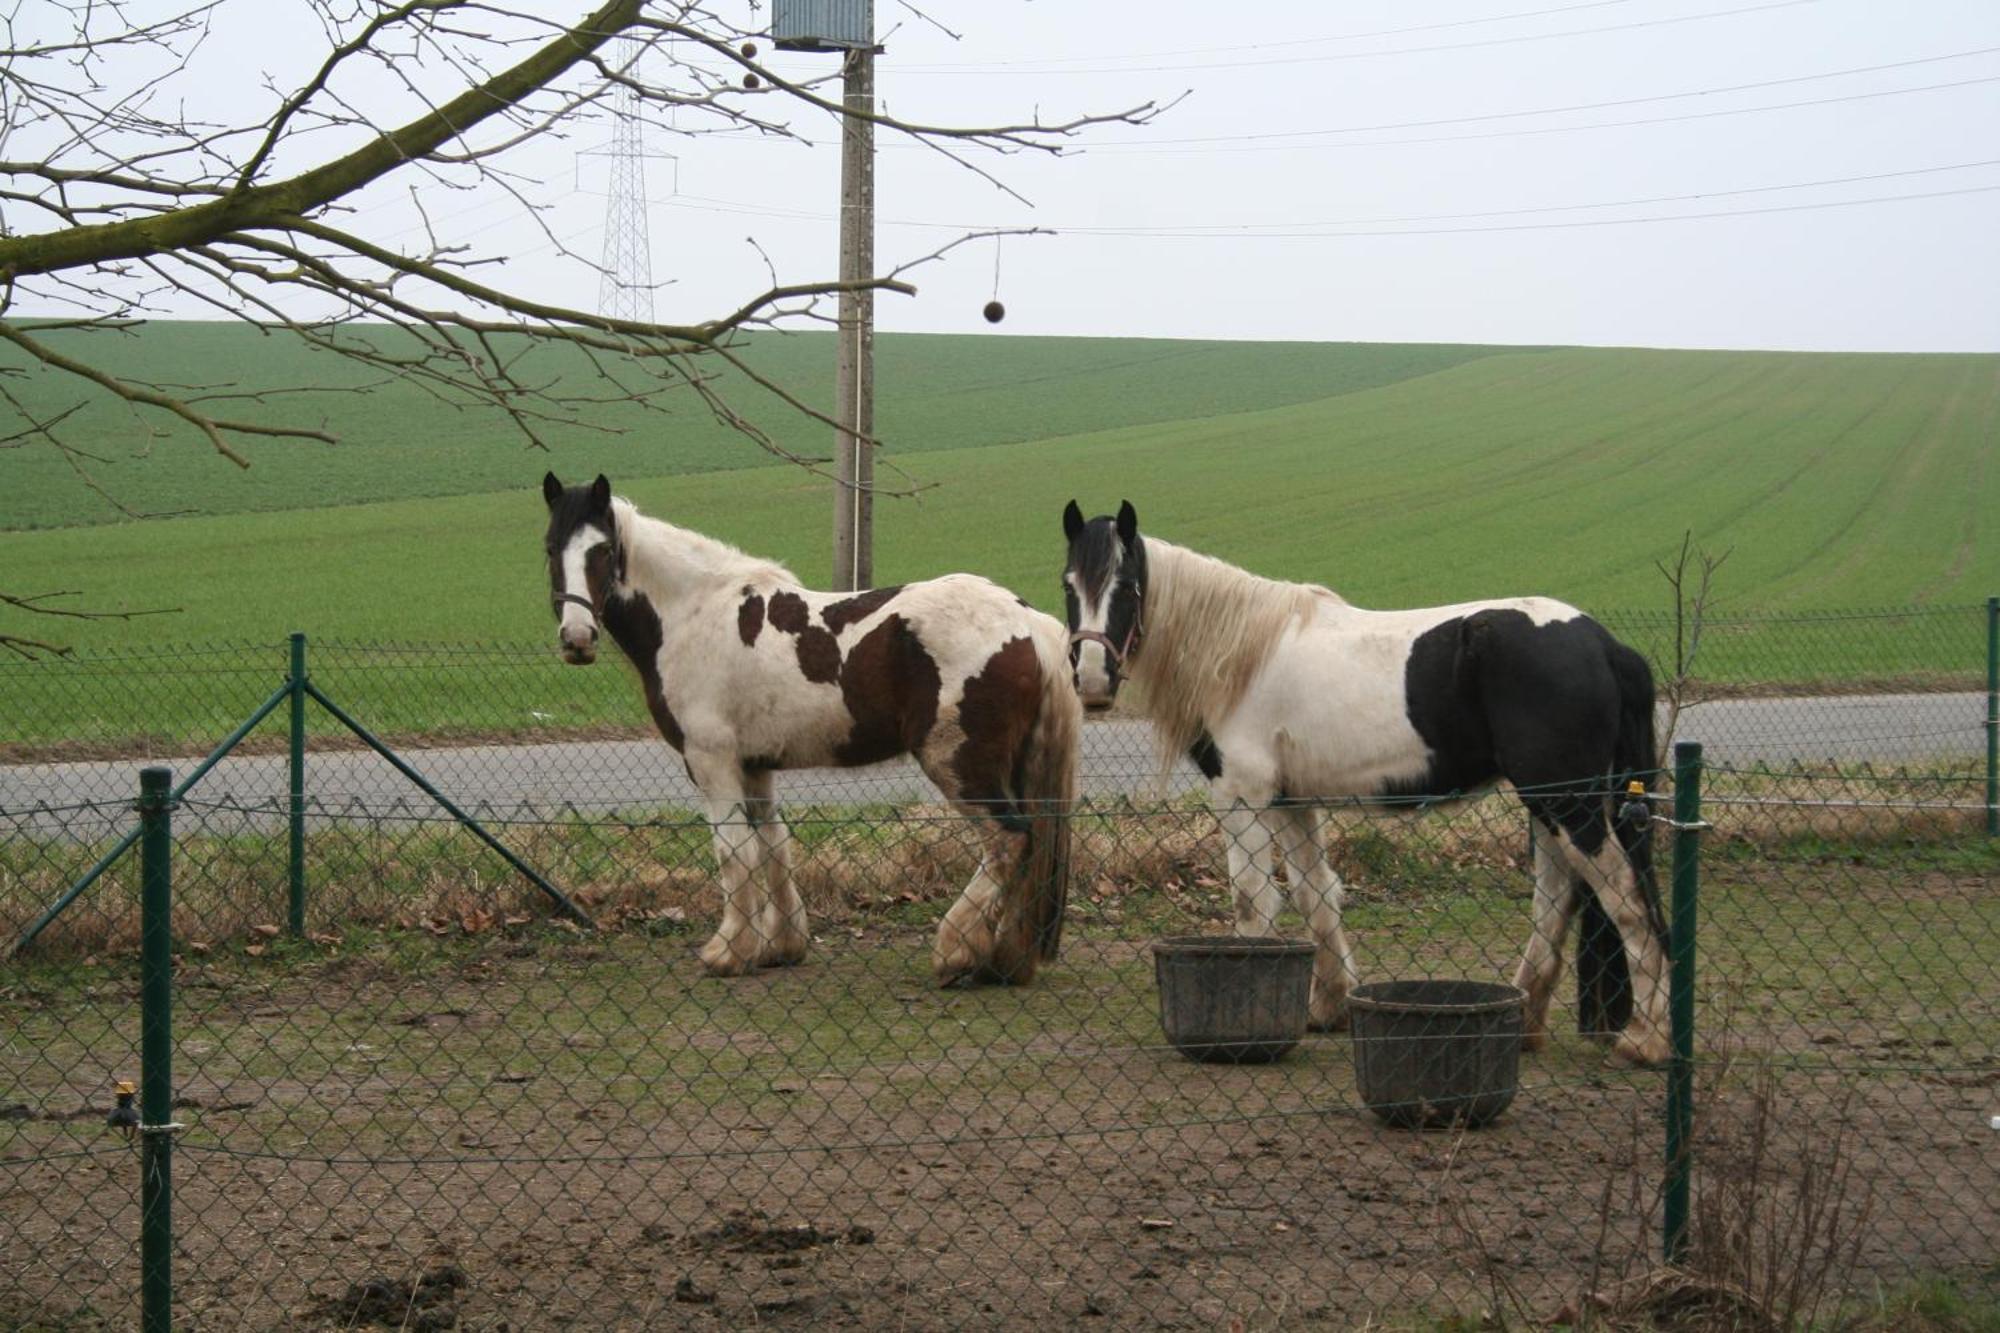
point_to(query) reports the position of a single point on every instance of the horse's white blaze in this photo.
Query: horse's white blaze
(1093, 659)
(576, 627)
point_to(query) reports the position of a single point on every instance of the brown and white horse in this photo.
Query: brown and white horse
(746, 672)
(1289, 699)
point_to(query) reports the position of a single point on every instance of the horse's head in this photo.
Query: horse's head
(583, 562)
(1104, 595)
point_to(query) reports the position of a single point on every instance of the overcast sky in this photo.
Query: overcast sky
(1689, 173)
(1263, 206)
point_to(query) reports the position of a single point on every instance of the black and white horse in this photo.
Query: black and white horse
(745, 672)
(1288, 698)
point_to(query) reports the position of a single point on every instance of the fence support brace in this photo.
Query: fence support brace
(1680, 1001)
(296, 689)
(156, 1052)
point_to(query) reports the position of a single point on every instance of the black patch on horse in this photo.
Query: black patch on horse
(849, 610)
(1206, 757)
(635, 628)
(788, 612)
(819, 656)
(750, 618)
(891, 685)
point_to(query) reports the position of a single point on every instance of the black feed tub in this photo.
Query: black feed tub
(1233, 999)
(1429, 1054)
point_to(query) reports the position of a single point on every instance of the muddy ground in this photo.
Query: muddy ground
(537, 1130)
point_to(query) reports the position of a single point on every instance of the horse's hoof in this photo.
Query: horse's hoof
(1535, 1041)
(1337, 1021)
(789, 953)
(1628, 1053)
(720, 960)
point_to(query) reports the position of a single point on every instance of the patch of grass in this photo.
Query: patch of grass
(1424, 490)
(935, 392)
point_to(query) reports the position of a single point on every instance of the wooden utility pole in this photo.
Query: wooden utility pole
(853, 497)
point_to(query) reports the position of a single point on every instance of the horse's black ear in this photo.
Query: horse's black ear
(551, 489)
(1128, 522)
(1072, 521)
(600, 494)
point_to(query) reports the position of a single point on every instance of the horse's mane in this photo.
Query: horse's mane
(1208, 628)
(658, 553)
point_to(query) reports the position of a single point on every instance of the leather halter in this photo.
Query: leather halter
(582, 601)
(1117, 652)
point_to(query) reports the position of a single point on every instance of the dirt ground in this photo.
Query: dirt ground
(540, 1131)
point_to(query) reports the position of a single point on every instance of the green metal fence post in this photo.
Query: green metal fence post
(1680, 1073)
(1993, 717)
(296, 915)
(156, 1052)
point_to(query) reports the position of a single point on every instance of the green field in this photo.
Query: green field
(1397, 475)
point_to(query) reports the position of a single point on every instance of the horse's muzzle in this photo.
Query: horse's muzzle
(579, 649)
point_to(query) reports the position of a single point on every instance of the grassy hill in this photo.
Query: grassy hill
(1835, 480)
(397, 440)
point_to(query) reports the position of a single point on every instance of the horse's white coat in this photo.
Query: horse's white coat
(746, 708)
(1302, 694)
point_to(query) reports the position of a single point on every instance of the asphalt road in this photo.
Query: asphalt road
(539, 781)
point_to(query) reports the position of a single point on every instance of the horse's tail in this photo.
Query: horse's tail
(1047, 792)
(1604, 983)
(1636, 757)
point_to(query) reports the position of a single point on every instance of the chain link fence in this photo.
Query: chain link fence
(431, 1100)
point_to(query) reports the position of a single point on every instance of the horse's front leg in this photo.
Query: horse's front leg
(1250, 831)
(1541, 961)
(782, 924)
(1316, 892)
(738, 942)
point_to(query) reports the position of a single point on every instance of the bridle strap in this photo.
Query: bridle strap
(582, 601)
(1118, 652)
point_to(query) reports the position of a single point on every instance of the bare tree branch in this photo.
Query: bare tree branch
(125, 204)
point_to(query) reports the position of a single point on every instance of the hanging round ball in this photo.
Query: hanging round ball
(751, 81)
(749, 50)
(994, 312)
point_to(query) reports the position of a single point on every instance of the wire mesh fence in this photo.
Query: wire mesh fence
(510, 724)
(414, 1093)
(444, 1105)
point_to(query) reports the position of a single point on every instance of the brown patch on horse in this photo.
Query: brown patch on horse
(996, 715)
(788, 612)
(635, 628)
(819, 656)
(849, 610)
(750, 618)
(891, 686)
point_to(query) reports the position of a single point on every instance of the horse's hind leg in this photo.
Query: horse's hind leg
(739, 852)
(781, 926)
(1316, 893)
(970, 942)
(1541, 961)
(1600, 862)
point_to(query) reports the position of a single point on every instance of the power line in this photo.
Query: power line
(1282, 45)
(1530, 131)
(1593, 106)
(1019, 69)
(1275, 230)
(1543, 208)
(1581, 222)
